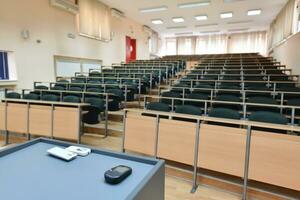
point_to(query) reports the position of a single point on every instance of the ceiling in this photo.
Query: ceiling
(270, 8)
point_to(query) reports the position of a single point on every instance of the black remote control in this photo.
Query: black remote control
(117, 174)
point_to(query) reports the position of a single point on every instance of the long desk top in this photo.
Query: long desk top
(219, 120)
(28, 172)
(45, 102)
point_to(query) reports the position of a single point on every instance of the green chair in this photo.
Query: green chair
(50, 97)
(13, 95)
(171, 95)
(41, 87)
(117, 98)
(157, 106)
(224, 113)
(230, 98)
(197, 96)
(262, 100)
(31, 96)
(71, 99)
(97, 105)
(188, 109)
(268, 117)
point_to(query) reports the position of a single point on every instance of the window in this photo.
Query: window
(94, 20)
(4, 73)
(67, 67)
(171, 46)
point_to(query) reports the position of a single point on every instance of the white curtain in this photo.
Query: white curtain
(210, 44)
(171, 46)
(94, 20)
(186, 45)
(154, 40)
(248, 42)
(284, 25)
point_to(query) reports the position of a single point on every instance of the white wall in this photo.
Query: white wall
(51, 25)
(288, 53)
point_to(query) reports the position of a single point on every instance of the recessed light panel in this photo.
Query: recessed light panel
(153, 9)
(178, 19)
(201, 17)
(176, 27)
(238, 30)
(193, 4)
(206, 25)
(157, 21)
(226, 15)
(254, 12)
(210, 32)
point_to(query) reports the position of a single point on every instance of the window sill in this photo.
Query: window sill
(8, 82)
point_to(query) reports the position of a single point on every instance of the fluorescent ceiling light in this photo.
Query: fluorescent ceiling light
(254, 12)
(240, 22)
(231, 1)
(206, 25)
(193, 4)
(153, 9)
(157, 21)
(226, 15)
(238, 30)
(176, 27)
(201, 17)
(178, 20)
(187, 33)
(209, 32)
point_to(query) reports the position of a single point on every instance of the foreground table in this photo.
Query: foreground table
(28, 172)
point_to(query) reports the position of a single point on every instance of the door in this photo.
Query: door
(130, 49)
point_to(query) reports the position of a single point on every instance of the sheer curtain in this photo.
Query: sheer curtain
(211, 44)
(284, 25)
(186, 45)
(94, 20)
(248, 42)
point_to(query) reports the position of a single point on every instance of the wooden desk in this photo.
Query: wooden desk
(41, 118)
(239, 150)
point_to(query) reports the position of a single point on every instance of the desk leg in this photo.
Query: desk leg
(195, 173)
(247, 159)
(6, 137)
(80, 127)
(106, 117)
(124, 130)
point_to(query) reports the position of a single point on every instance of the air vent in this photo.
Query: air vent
(65, 5)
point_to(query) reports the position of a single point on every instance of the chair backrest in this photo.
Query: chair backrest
(228, 97)
(50, 97)
(71, 99)
(268, 117)
(96, 102)
(262, 100)
(59, 88)
(158, 107)
(31, 96)
(188, 109)
(198, 96)
(41, 87)
(224, 113)
(13, 95)
(293, 102)
(76, 89)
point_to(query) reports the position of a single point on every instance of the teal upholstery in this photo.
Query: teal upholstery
(41, 87)
(188, 109)
(158, 107)
(262, 100)
(224, 113)
(268, 117)
(71, 99)
(196, 96)
(13, 95)
(31, 96)
(171, 95)
(50, 97)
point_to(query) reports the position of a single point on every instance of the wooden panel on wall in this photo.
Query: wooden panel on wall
(2, 116)
(66, 123)
(274, 159)
(140, 134)
(17, 117)
(40, 120)
(222, 149)
(176, 141)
